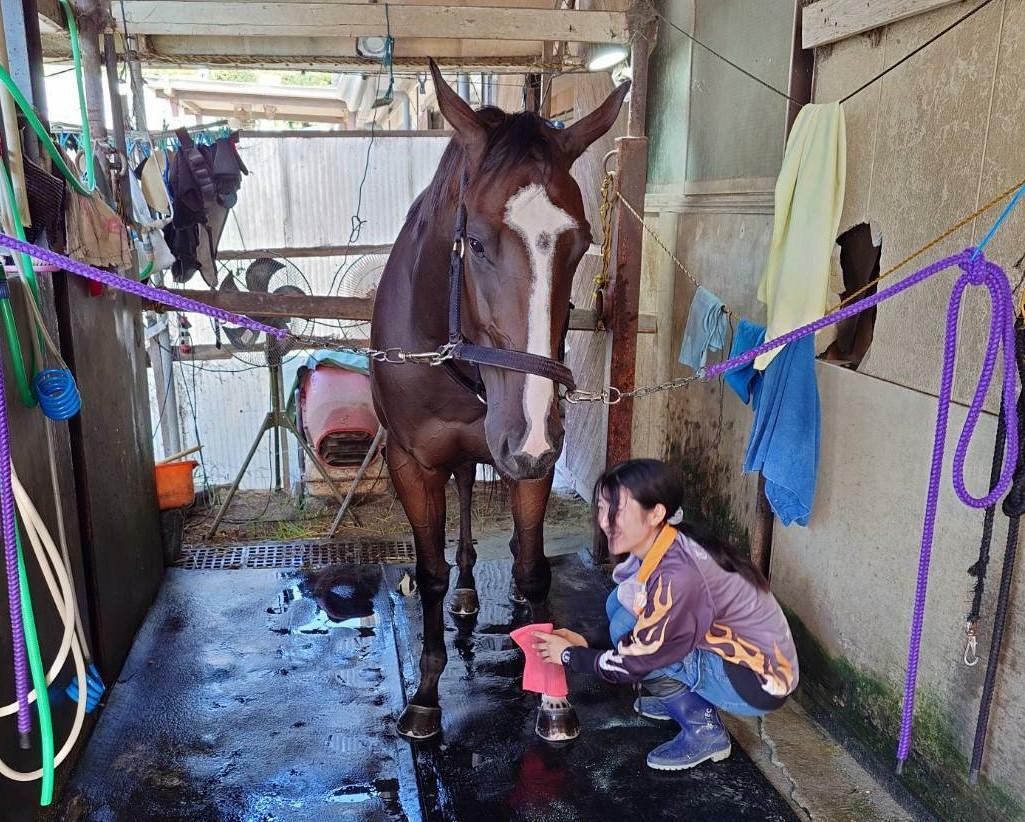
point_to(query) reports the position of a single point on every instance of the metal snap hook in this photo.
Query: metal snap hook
(971, 656)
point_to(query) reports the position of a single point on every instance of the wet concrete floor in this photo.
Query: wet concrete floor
(263, 695)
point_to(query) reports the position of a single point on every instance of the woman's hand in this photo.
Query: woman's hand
(550, 646)
(573, 637)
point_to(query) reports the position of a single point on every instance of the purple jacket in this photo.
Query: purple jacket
(687, 602)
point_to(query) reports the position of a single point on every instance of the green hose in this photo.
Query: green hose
(35, 663)
(47, 141)
(21, 376)
(87, 137)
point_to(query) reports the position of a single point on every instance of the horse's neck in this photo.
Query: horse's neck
(427, 295)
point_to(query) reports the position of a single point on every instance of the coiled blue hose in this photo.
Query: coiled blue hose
(57, 393)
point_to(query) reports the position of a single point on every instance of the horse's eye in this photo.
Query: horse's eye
(476, 246)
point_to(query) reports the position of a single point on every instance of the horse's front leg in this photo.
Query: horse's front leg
(532, 574)
(422, 494)
(464, 600)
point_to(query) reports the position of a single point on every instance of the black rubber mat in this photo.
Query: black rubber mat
(263, 695)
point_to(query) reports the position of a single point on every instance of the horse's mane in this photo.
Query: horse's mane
(512, 139)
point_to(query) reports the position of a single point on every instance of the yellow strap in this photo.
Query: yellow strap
(662, 544)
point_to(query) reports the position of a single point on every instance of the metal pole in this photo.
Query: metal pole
(167, 397)
(10, 121)
(37, 79)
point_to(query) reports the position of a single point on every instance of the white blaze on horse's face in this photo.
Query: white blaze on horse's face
(539, 222)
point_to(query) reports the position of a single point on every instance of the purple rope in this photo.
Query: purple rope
(977, 271)
(157, 295)
(21, 686)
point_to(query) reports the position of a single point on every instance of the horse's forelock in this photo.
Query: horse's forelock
(513, 139)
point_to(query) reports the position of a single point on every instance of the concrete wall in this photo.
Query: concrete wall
(717, 214)
(926, 146)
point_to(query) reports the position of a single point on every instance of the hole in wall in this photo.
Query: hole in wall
(859, 261)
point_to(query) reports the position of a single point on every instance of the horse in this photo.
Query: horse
(503, 190)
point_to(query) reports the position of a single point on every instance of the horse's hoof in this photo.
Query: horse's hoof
(556, 725)
(464, 602)
(418, 722)
(515, 596)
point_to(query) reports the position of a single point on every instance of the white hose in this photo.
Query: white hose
(31, 520)
(63, 594)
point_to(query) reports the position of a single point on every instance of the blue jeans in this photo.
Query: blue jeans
(701, 671)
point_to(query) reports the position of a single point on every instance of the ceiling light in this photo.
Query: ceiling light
(375, 47)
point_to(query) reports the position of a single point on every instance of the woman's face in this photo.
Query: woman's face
(635, 527)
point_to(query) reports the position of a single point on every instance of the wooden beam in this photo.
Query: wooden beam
(338, 48)
(257, 304)
(362, 134)
(50, 15)
(229, 17)
(311, 251)
(829, 21)
(211, 353)
(262, 112)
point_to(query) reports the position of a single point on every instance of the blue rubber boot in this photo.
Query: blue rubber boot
(651, 707)
(702, 736)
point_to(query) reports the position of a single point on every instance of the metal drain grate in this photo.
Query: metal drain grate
(294, 555)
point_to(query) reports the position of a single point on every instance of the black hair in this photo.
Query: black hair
(653, 482)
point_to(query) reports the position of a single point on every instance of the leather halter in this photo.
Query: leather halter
(462, 349)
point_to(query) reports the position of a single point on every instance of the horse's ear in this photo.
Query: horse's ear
(471, 131)
(575, 139)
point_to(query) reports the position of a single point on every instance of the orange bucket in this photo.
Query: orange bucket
(175, 488)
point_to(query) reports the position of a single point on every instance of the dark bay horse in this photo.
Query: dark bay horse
(525, 234)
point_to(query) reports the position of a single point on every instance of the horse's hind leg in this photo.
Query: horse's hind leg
(422, 494)
(464, 599)
(532, 574)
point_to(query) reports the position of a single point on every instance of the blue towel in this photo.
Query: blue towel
(745, 379)
(706, 328)
(784, 442)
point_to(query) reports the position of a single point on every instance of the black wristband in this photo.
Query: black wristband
(564, 657)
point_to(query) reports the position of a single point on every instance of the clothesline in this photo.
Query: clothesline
(856, 91)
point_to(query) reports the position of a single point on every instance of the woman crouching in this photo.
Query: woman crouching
(691, 619)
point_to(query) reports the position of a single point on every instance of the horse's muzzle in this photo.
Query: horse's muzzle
(519, 465)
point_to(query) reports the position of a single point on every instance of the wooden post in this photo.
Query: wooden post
(632, 176)
(117, 114)
(138, 86)
(91, 16)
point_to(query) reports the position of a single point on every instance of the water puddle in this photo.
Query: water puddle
(338, 599)
(385, 789)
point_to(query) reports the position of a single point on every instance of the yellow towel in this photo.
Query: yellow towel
(809, 199)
